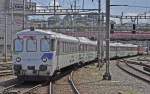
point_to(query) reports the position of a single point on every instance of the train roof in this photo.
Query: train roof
(45, 32)
(86, 40)
(68, 38)
(123, 45)
(116, 44)
(131, 45)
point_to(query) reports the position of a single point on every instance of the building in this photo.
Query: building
(39, 24)
(18, 20)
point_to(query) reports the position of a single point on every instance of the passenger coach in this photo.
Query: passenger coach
(38, 54)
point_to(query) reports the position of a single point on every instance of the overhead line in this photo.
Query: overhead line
(138, 6)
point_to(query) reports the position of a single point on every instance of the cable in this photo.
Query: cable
(138, 6)
(40, 2)
(94, 3)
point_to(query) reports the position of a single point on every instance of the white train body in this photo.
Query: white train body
(40, 53)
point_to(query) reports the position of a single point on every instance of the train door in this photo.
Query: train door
(57, 54)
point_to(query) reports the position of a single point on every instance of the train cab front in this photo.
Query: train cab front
(33, 57)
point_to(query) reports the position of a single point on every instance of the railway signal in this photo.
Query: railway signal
(112, 28)
(134, 29)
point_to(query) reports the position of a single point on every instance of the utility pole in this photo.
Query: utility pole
(102, 38)
(5, 39)
(147, 47)
(24, 9)
(121, 20)
(107, 75)
(54, 6)
(83, 4)
(99, 34)
(75, 4)
(12, 25)
(73, 18)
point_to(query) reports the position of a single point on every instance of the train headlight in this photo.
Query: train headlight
(18, 59)
(44, 59)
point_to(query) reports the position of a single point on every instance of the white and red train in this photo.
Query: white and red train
(39, 53)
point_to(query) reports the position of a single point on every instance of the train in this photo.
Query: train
(39, 54)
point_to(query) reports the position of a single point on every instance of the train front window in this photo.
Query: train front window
(45, 45)
(31, 45)
(18, 45)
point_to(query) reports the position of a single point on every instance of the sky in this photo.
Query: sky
(131, 10)
(134, 8)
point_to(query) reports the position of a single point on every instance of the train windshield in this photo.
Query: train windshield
(45, 45)
(31, 45)
(18, 45)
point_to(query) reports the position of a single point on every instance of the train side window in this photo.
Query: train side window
(45, 45)
(73, 47)
(70, 47)
(31, 45)
(62, 47)
(86, 47)
(69, 44)
(53, 45)
(66, 47)
(18, 45)
(82, 48)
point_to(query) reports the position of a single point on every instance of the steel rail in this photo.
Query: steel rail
(5, 90)
(132, 74)
(50, 88)
(4, 73)
(70, 79)
(31, 90)
(138, 69)
(137, 63)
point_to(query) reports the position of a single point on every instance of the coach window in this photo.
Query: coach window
(82, 47)
(31, 45)
(53, 45)
(45, 45)
(18, 45)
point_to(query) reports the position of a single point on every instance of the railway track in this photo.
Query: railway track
(123, 65)
(66, 85)
(137, 69)
(6, 69)
(6, 72)
(72, 83)
(48, 87)
(7, 66)
(143, 59)
(21, 88)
